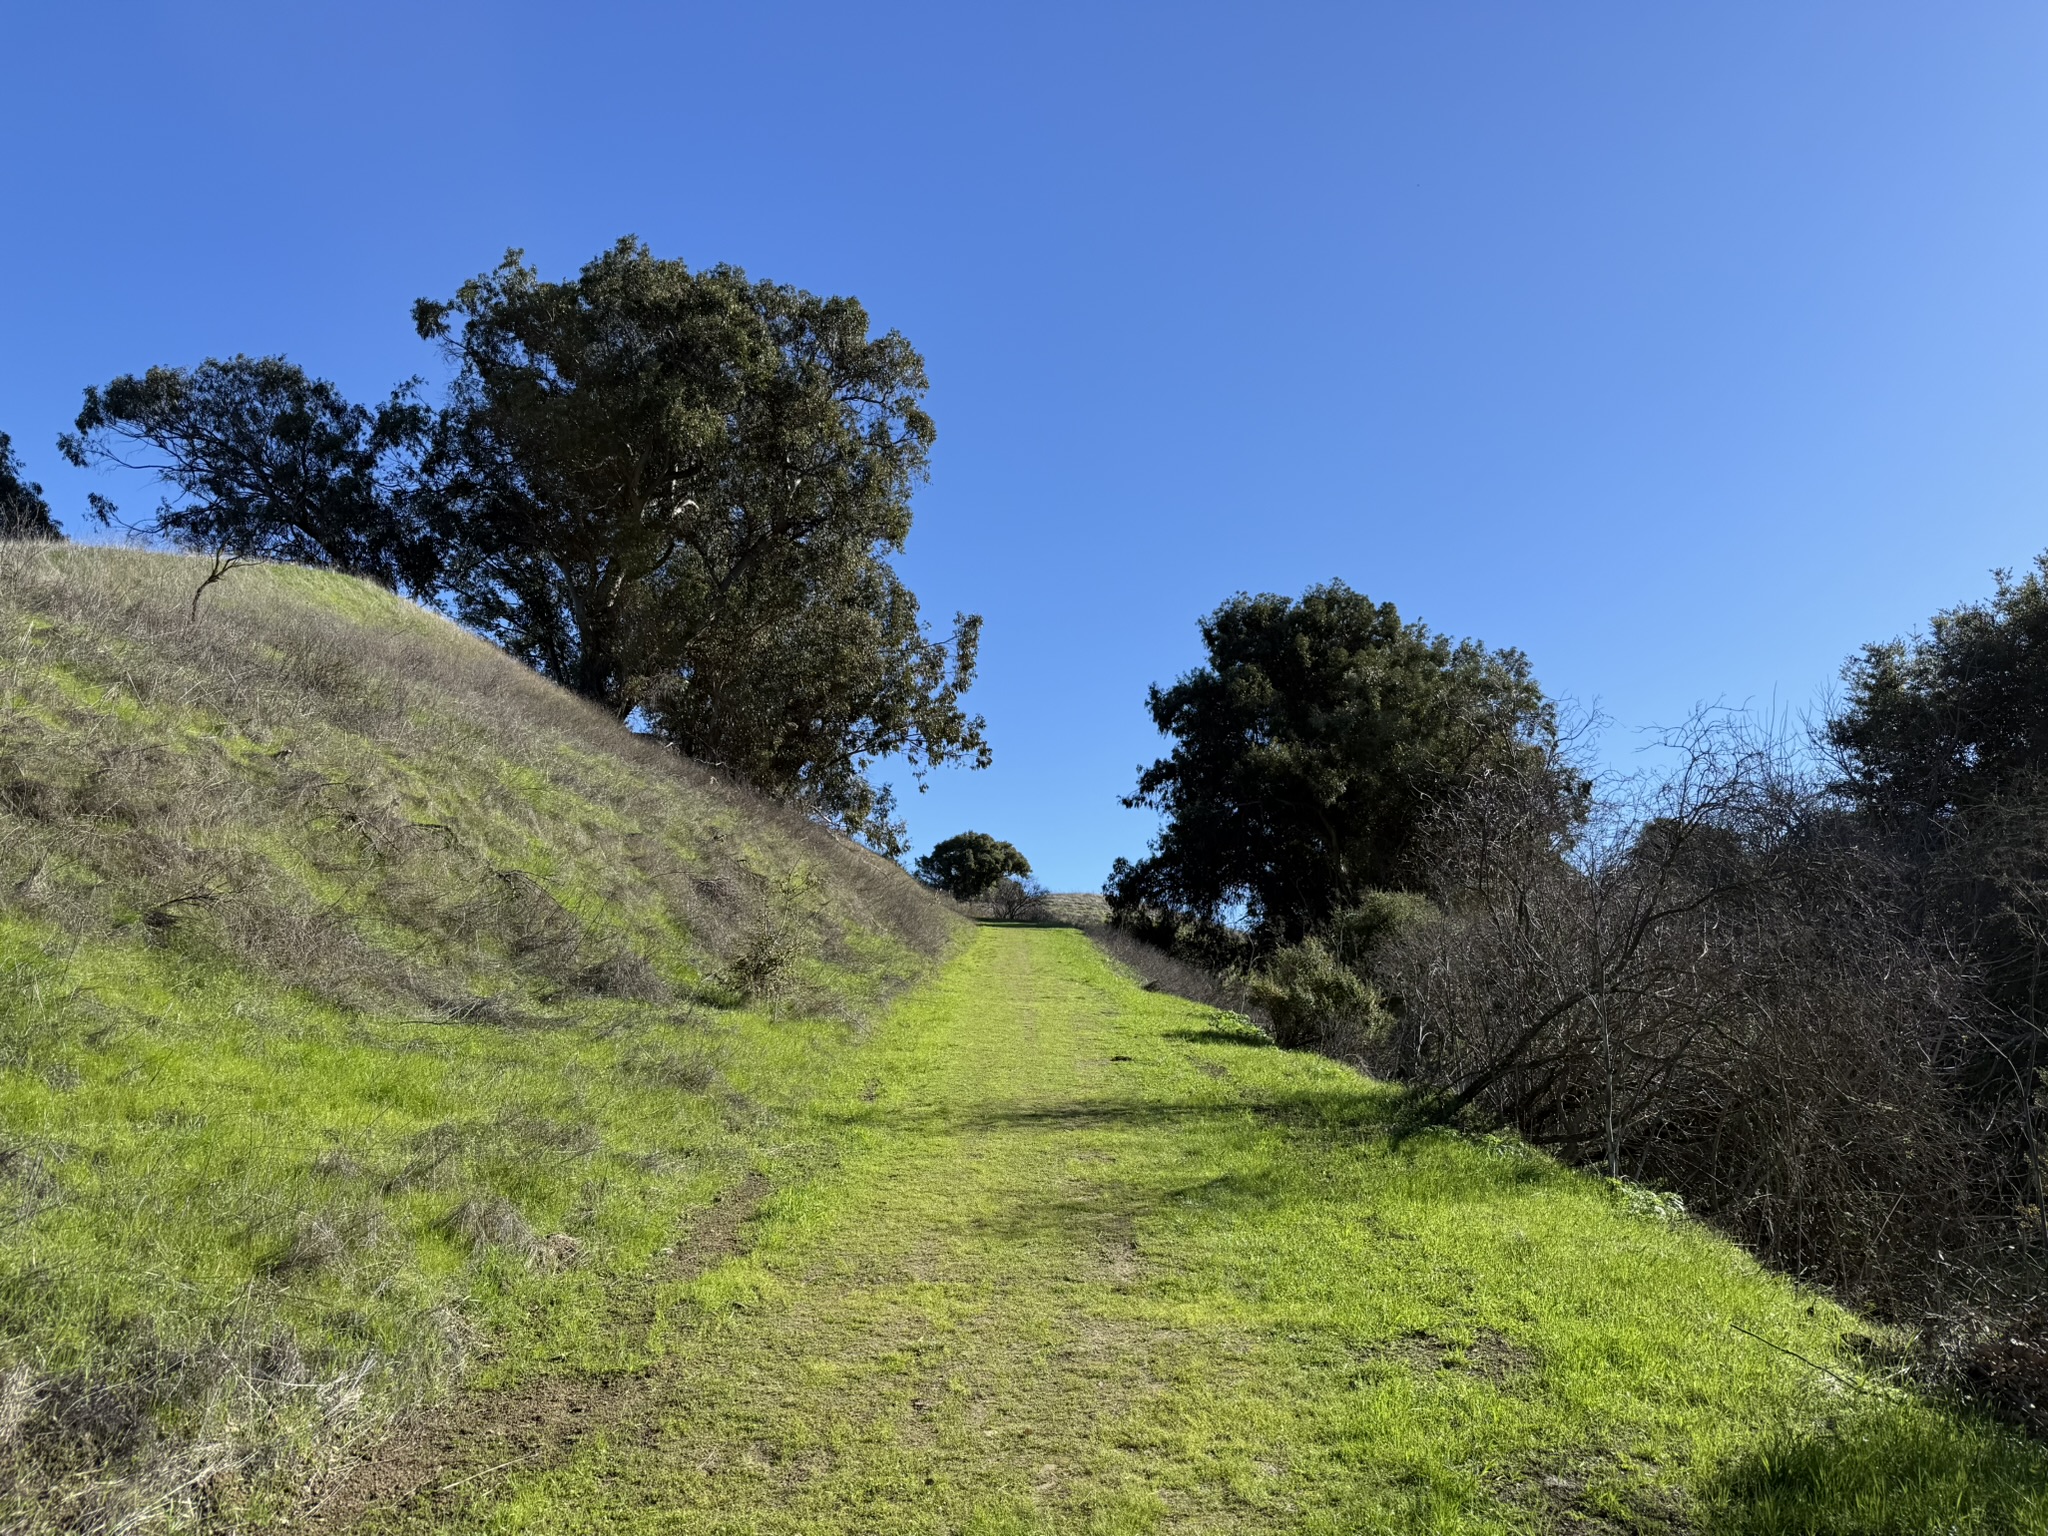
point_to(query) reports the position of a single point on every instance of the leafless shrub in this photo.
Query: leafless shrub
(691, 1072)
(557, 1251)
(429, 1153)
(1708, 988)
(762, 966)
(621, 973)
(527, 1134)
(1015, 899)
(538, 931)
(324, 1240)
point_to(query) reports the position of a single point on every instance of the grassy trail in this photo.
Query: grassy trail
(1070, 1256)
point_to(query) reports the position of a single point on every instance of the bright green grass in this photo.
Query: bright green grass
(262, 1220)
(362, 1026)
(1041, 1287)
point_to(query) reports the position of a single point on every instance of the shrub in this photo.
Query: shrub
(1312, 998)
(1018, 900)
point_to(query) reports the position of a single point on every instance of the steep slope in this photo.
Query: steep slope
(368, 1009)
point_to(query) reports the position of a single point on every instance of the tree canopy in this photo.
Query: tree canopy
(1945, 720)
(258, 459)
(677, 493)
(1942, 747)
(971, 865)
(1308, 751)
(23, 512)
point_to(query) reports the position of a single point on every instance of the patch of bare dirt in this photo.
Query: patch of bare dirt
(1560, 1501)
(1489, 1354)
(454, 1451)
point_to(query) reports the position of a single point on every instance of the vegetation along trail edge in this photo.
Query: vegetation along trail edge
(1086, 1257)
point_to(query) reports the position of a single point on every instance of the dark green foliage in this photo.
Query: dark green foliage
(1318, 992)
(1310, 997)
(258, 459)
(678, 492)
(801, 707)
(1379, 918)
(1942, 748)
(971, 865)
(23, 512)
(1946, 721)
(1307, 753)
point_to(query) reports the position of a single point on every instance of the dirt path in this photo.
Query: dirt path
(484, 1435)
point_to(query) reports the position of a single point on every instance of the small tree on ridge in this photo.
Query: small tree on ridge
(971, 865)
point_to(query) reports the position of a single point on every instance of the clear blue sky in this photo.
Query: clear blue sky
(1685, 348)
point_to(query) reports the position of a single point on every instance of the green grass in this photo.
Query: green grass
(361, 1021)
(374, 1072)
(1068, 1255)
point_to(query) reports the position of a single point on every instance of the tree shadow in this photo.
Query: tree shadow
(1896, 1466)
(1365, 1115)
(1245, 1035)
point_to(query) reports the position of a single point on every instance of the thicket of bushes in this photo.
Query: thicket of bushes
(1797, 980)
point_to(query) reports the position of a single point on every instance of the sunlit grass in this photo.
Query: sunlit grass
(361, 1033)
(1094, 1260)
(355, 1032)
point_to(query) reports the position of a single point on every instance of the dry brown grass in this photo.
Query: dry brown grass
(347, 791)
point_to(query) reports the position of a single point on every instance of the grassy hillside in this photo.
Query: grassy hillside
(1096, 1259)
(369, 1009)
(383, 1032)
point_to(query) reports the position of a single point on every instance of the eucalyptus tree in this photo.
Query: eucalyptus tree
(257, 459)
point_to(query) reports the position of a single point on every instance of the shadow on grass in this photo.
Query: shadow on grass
(1318, 1121)
(1362, 1114)
(1221, 1035)
(1896, 1468)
